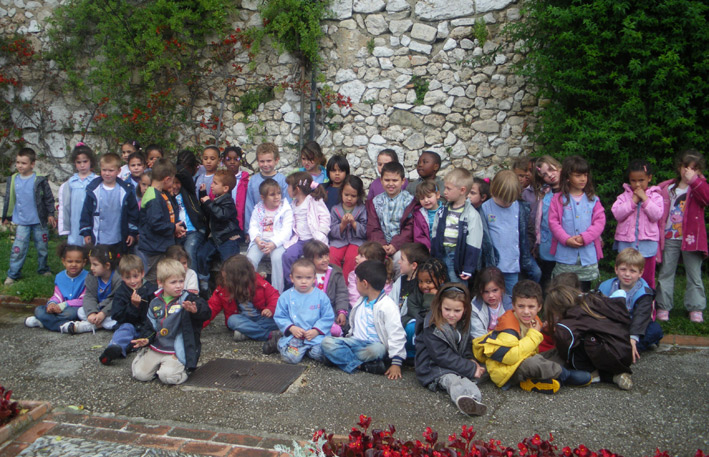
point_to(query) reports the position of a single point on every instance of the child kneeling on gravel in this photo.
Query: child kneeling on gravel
(173, 336)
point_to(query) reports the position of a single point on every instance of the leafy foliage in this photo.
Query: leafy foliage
(420, 86)
(249, 102)
(8, 409)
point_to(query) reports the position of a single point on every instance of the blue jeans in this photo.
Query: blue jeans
(510, 281)
(192, 242)
(449, 261)
(21, 245)
(409, 329)
(256, 327)
(350, 353)
(296, 349)
(225, 250)
(54, 321)
(123, 336)
(653, 335)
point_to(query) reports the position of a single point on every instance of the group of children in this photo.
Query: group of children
(366, 280)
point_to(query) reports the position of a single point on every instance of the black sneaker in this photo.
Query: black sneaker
(374, 367)
(577, 378)
(271, 346)
(111, 353)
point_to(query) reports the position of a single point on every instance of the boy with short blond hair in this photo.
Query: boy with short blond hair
(457, 231)
(267, 156)
(639, 299)
(29, 203)
(511, 352)
(175, 319)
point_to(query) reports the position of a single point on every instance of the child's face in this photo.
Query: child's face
(336, 176)
(272, 200)
(549, 174)
(24, 165)
(210, 160)
(73, 262)
(133, 279)
(639, 180)
(426, 283)
(453, 193)
(267, 163)
(322, 263)
(127, 150)
(109, 172)
(99, 269)
(474, 196)
(430, 201)
(524, 178)
(492, 294)
(349, 196)
(152, 157)
(145, 183)
(526, 309)
(405, 266)
(308, 164)
(185, 263)
(303, 279)
(173, 286)
(359, 258)
(578, 181)
(452, 311)
(82, 164)
(136, 167)
(382, 160)
(232, 162)
(392, 184)
(218, 188)
(362, 287)
(628, 275)
(427, 166)
(176, 186)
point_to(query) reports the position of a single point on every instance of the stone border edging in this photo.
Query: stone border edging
(37, 409)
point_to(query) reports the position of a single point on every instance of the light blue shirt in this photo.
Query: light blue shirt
(25, 212)
(183, 216)
(504, 232)
(78, 195)
(109, 215)
(364, 328)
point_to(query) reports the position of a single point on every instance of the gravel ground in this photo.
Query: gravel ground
(667, 408)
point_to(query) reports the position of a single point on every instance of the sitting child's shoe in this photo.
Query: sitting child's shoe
(9, 281)
(696, 316)
(470, 406)
(238, 336)
(623, 381)
(72, 328)
(662, 315)
(577, 378)
(374, 367)
(111, 353)
(33, 322)
(543, 386)
(271, 346)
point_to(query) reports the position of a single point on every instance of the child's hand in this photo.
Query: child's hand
(390, 250)
(640, 193)
(203, 187)
(205, 198)
(266, 313)
(394, 372)
(464, 276)
(341, 319)
(688, 173)
(636, 354)
(139, 343)
(98, 318)
(310, 334)
(180, 230)
(535, 325)
(52, 221)
(189, 306)
(6, 222)
(573, 242)
(297, 332)
(53, 308)
(479, 371)
(135, 299)
(268, 247)
(87, 240)
(130, 240)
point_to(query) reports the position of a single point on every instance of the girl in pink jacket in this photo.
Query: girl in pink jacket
(637, 210)
(683, 231)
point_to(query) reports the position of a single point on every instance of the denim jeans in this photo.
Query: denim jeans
(192, 242)
(296, 349)
(256, 328)
(225, 250)
(52, 321)
(449, 261)
(21, 245)
(510, 280)
(653, 335)
(350, 353)
(123, 336)
(255, 255)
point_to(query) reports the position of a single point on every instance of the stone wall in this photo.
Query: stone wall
(475, 113)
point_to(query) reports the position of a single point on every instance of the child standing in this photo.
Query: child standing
(490, 301)
(444, 356)
(376, 337)
(191, 216)
(369, 250)
(267, 157)
(136, 167)
(546, 183)
(576, 221)
(685, 198)
(428, 196)
(639, 300)
(231, 159)
(330, 280)
(248, 300)
(127, 149)
(457, 229)
(176, 317)
(152, 153)
(270, 227)
(110, 213)
(210, 163)
(338, 170)
(522, 168)
(312, 159)
(348, 224)
(311, 219)
(304, 317)
(427, 167)
(29, 204)
(69, 290)
(129, 308)
(479, 192)
(226, 235)
(505, 219)
(637, 210)
(384, 157)
(73, 193)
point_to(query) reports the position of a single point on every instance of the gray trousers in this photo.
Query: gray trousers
(694, 297)
(458, 386)
(148, 363)
(255, 255)
(539, 367)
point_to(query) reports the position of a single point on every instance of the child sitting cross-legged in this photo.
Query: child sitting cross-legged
(130, 307)
(329, 279)
(304, 317)
(376, 337)
(511, 354)
(175, 319)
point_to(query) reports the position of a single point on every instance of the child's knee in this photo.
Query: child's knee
(172, 372)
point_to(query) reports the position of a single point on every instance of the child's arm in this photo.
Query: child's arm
(286, 230)
(700, 188)
(254, 229)
(199, 310)
(322, 230)
(374, 228)
(86, 221)
(396, 338)
(341, 299)
(473, 243)
(121, 303)
(281, 316)
(62, 224)
(133, 218)
(352, 289)
(598, 223)
(48, 202)
(509, 350)
(406, 235)
(270, 296)
(445, 357)
(325, 320)
(6, 201)
(90, 304)
(360, 231)
(216, 303)
(555, 212)
(653, 206)
(624, 206)
(336, 228)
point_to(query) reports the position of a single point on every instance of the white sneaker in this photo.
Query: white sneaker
(72, 328)
(9, 281)
(238, 336)
(623, 381)
(65, 328)
(33, 322)
(470, 406)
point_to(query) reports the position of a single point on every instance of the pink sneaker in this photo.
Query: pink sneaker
(662, 315)
(696, 316)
